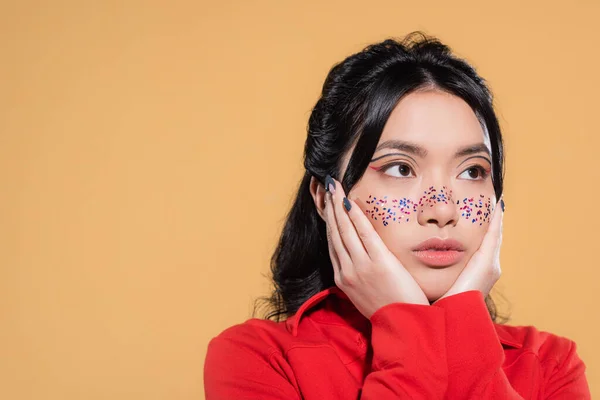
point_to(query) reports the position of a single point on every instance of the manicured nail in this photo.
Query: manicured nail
(347, 204)
(329, 184)
(502, 204)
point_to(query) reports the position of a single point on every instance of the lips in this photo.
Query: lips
(438, 244)
(437, 252)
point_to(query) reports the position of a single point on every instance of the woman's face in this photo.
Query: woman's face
(430, 177)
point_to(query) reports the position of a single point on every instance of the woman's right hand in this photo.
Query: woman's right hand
(364, 268)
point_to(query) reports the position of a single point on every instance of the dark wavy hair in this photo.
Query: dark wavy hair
(357, 99)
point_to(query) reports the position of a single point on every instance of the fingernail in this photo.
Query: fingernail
(329, 184)
(347, 204)
(502, 204)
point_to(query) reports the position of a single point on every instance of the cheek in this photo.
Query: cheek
(389, 209)
(391, 217)
(476, 210)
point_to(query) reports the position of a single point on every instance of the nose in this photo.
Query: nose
(436, 206)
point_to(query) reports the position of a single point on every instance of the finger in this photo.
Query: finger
(493, 237)
(346, 228)
(335, 262)
(366, 232)
(333, 235)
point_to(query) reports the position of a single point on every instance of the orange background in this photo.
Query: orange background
(150, 150)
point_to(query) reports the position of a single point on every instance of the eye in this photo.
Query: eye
(398, 170)
(476, 173)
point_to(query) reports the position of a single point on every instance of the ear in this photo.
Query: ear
(317, 191)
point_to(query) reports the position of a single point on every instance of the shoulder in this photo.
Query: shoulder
(547, 346)
(563, 371)
(254, 338)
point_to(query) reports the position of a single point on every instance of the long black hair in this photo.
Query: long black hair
(357, 99)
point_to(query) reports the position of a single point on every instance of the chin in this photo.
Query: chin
(436, 282)
(434, 293)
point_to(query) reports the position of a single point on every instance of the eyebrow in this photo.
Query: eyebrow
(421, 152)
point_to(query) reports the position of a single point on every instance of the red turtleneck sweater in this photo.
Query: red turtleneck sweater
(449, 350)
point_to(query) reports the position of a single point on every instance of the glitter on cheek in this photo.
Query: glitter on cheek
(400, 210)
(387, 211)
(476, 210)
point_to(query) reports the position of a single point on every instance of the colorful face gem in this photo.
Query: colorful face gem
(399, 210)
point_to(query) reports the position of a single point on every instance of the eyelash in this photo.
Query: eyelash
(483, 172)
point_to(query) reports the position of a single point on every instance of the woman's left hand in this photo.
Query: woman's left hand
(483, 269)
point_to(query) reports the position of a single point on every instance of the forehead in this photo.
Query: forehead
(435, 120)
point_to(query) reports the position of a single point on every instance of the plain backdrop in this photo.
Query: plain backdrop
(149, 152)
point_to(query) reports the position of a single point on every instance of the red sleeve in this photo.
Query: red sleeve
(409, 354)
(234, 371)
(475, 356)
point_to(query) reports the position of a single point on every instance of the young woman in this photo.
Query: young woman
(386, 261)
